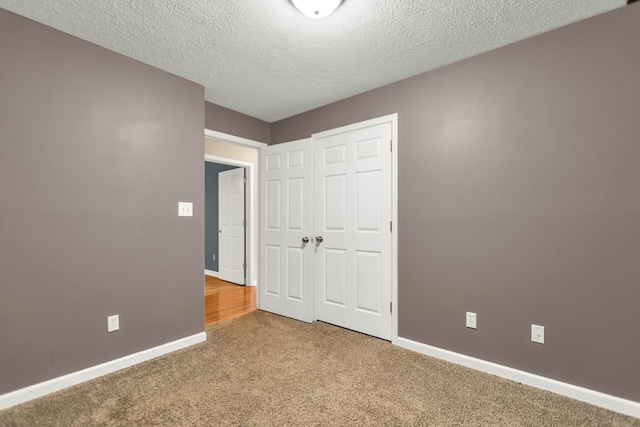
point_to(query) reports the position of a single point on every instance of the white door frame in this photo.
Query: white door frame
(251, 243)
(393, 119)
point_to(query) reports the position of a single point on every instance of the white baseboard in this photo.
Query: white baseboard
(56, 384)
(211, 273)
(613, 403)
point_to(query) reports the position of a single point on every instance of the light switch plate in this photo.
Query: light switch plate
(185, 209)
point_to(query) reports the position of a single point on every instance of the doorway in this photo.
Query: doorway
(223, 299)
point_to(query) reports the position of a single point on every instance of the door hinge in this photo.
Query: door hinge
(391, 145)
(244, 265)
(391, 226)
(244, 222)
(244, 180)
(390, 307)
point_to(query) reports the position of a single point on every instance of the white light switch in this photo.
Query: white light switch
(185, 209)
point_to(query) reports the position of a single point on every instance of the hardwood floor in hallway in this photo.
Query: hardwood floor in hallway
(224, 300)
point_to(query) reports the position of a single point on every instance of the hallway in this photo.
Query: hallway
(224, 300)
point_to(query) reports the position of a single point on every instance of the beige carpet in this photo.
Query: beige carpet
(262, 369)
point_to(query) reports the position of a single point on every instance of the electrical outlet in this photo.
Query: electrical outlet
(113, 323)
(214, 257)
(537, 334)
(472, 320)
(185, 209)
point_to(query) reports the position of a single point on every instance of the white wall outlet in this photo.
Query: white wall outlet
(472, 320)
(537, 334)
(113, 323)
(185, 209)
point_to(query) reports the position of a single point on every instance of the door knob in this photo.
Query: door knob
(319, 239)
(305, 240)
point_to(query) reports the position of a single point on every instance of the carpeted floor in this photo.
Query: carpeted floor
(265, 370)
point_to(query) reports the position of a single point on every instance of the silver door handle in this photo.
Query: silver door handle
(305, 240)
(319, 239)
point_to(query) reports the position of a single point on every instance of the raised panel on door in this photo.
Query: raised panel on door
(286, 273)
(353, 214)
(335, 273)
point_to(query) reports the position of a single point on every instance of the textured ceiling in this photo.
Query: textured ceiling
(265, 59)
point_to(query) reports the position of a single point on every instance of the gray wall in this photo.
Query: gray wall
(211, 171)
(519, 200)
(233, 123)
(96, 150)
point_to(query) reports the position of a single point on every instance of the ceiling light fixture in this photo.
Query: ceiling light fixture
(316, 9)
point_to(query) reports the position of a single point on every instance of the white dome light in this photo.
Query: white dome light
(316, 9)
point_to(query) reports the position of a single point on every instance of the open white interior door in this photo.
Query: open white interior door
(286, 225)
(231, 224)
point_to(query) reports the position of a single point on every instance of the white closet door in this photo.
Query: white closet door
(353, 219)
(231, 217)
(286, 217)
